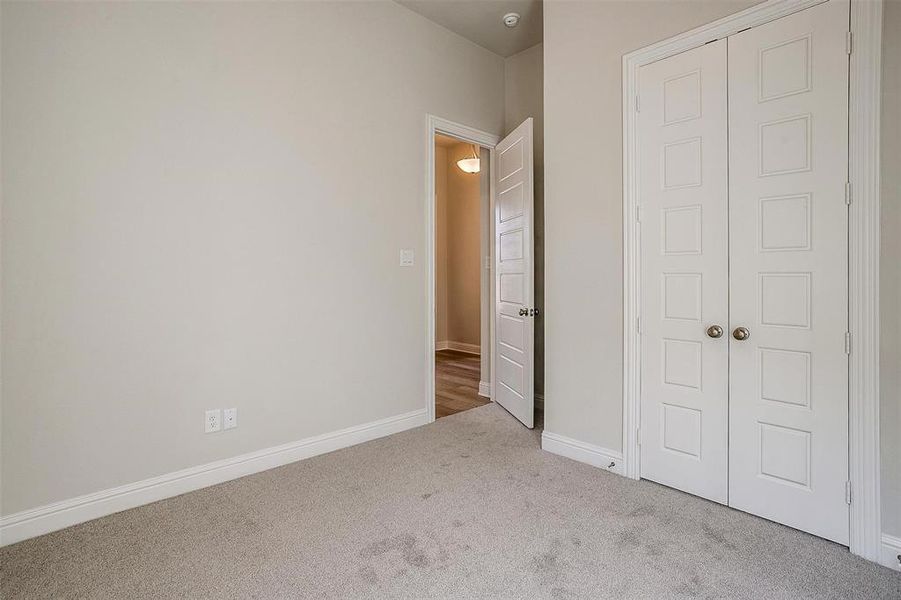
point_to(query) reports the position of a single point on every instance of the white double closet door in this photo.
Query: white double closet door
(744, 227)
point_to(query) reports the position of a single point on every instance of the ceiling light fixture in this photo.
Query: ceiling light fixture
(511, 19)
(471, 164)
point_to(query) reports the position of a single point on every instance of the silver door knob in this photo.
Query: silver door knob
(523, 312)
(741, 333)
(715, 331)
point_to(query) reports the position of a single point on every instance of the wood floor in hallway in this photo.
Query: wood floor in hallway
(456, 382)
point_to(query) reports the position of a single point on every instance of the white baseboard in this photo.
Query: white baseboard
(891, 552)
(51, 517)
(595, 456)
(459, 347)
(485, 389)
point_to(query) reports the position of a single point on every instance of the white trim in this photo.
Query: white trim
(866, 25)
(459, 347)
(485, 389)
(51, 517)
(595, 456)
(469, 134)
(863, 276)
(891, 552)
(492, 282)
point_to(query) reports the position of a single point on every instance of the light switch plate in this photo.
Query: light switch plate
(230, 420)
(406, 257)
(213, 421)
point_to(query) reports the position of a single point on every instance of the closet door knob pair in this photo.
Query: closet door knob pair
(528, 312)
(740, 333)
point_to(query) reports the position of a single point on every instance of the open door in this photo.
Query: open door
(514, 281)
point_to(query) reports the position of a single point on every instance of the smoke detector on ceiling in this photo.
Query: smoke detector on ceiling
(511, 19)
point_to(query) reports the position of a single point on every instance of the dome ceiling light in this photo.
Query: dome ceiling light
(471, 164)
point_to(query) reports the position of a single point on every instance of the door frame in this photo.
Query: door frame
(863, 246)
(436, 125)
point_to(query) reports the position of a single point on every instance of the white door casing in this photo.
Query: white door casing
(788, 168)
(682, 194)
(514, 293)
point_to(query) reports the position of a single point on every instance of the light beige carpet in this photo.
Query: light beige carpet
(468, 507)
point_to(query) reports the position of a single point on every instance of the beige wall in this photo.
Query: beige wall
(203, 206)
(890, 271)
(583, 47)
(461, 312)
(524, 98)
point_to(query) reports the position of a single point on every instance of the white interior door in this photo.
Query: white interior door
(514, 294)
(788, 148)
(684, 271)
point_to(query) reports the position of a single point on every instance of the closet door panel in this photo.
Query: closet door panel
(788, 420)
(682, 196)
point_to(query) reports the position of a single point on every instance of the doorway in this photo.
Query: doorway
(461, 265)
(507, 293)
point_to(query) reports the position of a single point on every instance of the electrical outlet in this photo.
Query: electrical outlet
(213, 421)
(406, 257)
(230, 418)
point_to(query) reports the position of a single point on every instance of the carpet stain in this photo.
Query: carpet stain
(692, 588)
(627, 539)
(405, 545)
(716, 536)
(642, 511)
(545, 563)
(551, 570)
(369, 575)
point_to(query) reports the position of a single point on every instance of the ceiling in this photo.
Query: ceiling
(481, 21)
(446, 141)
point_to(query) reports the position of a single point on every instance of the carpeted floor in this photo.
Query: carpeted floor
(468, 507)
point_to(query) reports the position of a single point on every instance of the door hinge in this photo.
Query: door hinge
(848, 42)
(638, 435)
(638, 214)
(638, 325)
(847, 342)
(637, 104)
(848, 492)
(848, 193)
